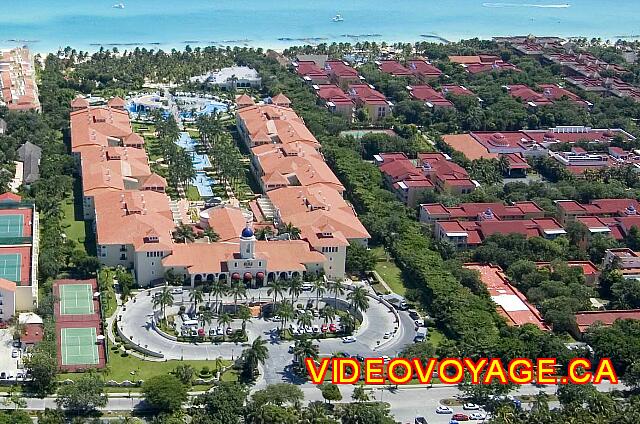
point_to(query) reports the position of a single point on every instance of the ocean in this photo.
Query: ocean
(46, 25)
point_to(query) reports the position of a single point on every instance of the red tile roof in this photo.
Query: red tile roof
(427, 94)
(423, 69)
(587, 318)
(394, 68)
(364, 93)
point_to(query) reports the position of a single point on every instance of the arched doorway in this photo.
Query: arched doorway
(271, 277)
(197, 279)
(260, 279)
(210, 278)
(295, 274)
(222, 277)
(283, 276)
(248, 280)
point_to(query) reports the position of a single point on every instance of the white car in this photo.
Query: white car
(470, 407)
(315, 328)
(177, 290)
(308, 330)
(443, 410)
(348, 339)
(291, 348)
(478, 416)
(276, 318)
(14, 353)
(219, 332)
(387, 335)
(307, 287)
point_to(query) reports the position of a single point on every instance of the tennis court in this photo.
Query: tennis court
(10, 264)
(11, 225)
(79, 346)
(76, 299)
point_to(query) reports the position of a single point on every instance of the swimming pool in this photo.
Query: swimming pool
(203, 183)
(202, 108)
(186, 142)
(200, 162)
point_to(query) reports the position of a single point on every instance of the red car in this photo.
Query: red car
(332, 328)
(324, 328)
(201, 332)
(460, 417)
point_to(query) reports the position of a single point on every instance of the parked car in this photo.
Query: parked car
(212, 332)
(444, 410)
(219, 332)
(419, 323)
(176, 290)
(478, 416)
(348, 339)
(460, 417)
(308, 330)
(315, 328)
(420, 420)
(291, 348)
(316, 313)
(229, 331)
(332, 327)
(470, 407)
(359, 357)
(324, 328)
(276, 318)
(307, 287)
(15, 353)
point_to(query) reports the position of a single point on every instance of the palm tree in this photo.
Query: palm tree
(237, 290)
(295, 288)
(196, 296)
(305, 349)
(225, 320)
(206, 317)
(163, 299)
(218, 288)
(256, 354)
(337, 288)
(318, 286)
(264, 233)
(184, 233)
(305, 320)
(211, 234)
(348, 323)
(327, 314)
(286, 312)
(277, 288)
(358, 300)
(294, 232)
(244, 314)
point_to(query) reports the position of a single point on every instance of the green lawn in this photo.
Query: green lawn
(110, 306)
(389, 272)
(72, 228)
(192, 193)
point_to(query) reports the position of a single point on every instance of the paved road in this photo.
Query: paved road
(136, 320)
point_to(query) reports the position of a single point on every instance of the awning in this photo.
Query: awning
(235, 276)
(260, 275)
(248, 276)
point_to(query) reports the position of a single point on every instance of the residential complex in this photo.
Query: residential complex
(482, 63)
(586, 319)
(549, 94)
(420, 69)
(430, 213)
(18, 89)
(511, 303)
(410, 179)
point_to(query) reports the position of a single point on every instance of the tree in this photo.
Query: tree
(278, 394)
(196, 296)
(256, 354)
(305, 348)
(164, 393)
(42, 367)
(358, 300)
(328, 313)
(223, 404)
(184, 233)
(225, 320)
(219, 288)
(51, 416)
(359, 394)
(277, 288)
(359, 259)
(348, 323)
(184, 373)
(237, 290)
(206, 317)
(295, 288)
(244, 314)
(337, 288)
(163, 299)
(292, 230)
(286, 312)
(83, 396)
(318, 287)
(211, 235)
(330, 392)
(15, 399)
(172, 279)
(305, 320)
(361, 413)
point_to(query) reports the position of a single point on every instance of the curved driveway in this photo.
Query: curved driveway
(135, 323)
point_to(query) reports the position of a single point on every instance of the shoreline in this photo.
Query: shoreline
(280, 45)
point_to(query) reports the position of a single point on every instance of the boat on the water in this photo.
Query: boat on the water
(337, 18)
(118, 6)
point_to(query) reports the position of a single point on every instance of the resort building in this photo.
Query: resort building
(410, 179)
(465, 234)
(605, 86)
(29, 156)
(19, 246)
(367, 97)
(482, 63)
(271, 124)
(430, 97)
(423, 70)
(341, 74)
(589, 270)
(510, 302)
(569, 210)
(394, 68)
(617, 227)
(335, 100)
(18, 89)
(432, 212)
(456, 90)
(311, 72)
(586, 319)
(231, 78)
(625, 260)
(549, 95)
(244, 100)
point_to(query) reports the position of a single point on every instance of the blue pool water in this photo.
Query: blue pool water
(203, 183)
(86, 25)
(208, 109)
(200, 162)
(186, 142)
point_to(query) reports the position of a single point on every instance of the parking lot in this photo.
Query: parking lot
(10, 356)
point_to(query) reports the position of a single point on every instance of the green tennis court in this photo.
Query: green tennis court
(10, 264)
(76, 299)
(79, 346)
(11, 225)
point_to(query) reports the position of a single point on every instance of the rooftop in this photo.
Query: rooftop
(587, 318)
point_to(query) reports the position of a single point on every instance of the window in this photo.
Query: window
(123, 257)
(123, 248)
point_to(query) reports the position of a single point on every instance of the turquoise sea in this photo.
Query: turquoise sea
(85, 25)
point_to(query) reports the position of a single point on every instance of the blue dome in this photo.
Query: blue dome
(247, 232)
